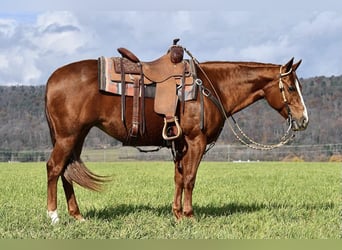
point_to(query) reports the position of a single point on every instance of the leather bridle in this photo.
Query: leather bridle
(282, 91)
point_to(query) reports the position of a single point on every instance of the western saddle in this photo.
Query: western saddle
(166, 73)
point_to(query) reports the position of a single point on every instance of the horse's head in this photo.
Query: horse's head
(284, 94)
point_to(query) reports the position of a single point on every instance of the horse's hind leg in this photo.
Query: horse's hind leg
(73, 208)
(70, 196)
(59, 158)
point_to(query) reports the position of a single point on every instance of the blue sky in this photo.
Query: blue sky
(37, 39)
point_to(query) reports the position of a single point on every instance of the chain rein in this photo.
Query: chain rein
(246, 140)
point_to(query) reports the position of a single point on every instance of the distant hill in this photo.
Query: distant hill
(23, 125)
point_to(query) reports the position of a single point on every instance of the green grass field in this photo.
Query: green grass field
(231, 200)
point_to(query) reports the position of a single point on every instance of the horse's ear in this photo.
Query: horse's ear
(296, 65)
(288, 65)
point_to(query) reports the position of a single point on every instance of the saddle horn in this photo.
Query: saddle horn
(175, 41)
(177, 52)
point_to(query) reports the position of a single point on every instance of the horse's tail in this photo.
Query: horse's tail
(49, 121)
(77, 172)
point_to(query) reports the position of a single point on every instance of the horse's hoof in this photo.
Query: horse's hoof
(178, 214)
(54, 221)
(79, 218)
(189, 214)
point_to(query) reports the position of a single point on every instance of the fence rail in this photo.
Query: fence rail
(322, 152)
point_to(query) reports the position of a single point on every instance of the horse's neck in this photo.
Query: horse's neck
(240, 84)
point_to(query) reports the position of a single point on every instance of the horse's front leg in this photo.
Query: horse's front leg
(191, 161)
(185, 176)
(179, 186)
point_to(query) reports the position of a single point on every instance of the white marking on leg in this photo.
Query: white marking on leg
(53, 216)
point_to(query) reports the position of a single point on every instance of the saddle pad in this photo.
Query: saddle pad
(106, 70)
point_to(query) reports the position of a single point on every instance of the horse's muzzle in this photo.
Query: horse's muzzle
(300, 124)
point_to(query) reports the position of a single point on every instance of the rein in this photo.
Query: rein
(237, 131)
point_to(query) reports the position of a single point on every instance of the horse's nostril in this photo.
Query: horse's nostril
(305, 121)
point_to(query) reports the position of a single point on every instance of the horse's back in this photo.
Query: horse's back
(71, 94)
(72, 76)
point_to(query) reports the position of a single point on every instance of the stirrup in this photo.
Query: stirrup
(165, 128)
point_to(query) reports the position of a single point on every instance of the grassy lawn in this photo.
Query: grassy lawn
(264, 200)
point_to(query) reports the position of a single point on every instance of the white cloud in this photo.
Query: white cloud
(18, 66)
(3, 62)
(319, 40)
(314, 37)
(58, 32)
(61, 18)
(7, 27)
(29, 71)
(30, 51)
(319, 24)
(51, 39)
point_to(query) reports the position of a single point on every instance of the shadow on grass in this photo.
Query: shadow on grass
(108, 213)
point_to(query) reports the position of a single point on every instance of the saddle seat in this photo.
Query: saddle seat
(156, 71)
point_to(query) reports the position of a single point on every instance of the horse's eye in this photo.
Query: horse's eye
(292, 88)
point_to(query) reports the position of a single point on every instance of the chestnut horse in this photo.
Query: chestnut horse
(74, 105)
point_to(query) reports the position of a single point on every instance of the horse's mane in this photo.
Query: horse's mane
(240, 63)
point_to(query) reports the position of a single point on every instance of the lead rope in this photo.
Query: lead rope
(250, 142)
(283, 140)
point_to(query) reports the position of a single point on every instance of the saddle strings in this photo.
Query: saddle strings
(246, 140)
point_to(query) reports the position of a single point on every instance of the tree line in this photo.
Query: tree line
(23, 125)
